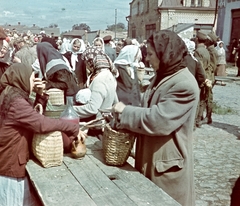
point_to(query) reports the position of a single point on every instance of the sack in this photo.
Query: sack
(48, 148)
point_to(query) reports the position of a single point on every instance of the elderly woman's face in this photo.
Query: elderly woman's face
(152, 57)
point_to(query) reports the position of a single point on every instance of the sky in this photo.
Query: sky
(97, 14)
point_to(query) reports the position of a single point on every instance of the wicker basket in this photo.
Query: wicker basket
(48, 148)
(56, 96)
(117, 145)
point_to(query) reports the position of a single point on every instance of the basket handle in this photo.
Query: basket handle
(39, 108)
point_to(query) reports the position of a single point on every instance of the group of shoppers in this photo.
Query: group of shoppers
(163, 117)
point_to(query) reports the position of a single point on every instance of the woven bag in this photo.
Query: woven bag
(48, 148)
(56, 96)
(117, 145)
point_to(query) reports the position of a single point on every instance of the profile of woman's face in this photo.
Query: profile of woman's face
(152, 57)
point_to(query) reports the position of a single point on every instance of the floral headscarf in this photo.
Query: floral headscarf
(170, 50)
(97, 60)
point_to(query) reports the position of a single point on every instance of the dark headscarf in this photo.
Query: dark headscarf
(170, 50)
(15, 82)
(51, 41)
(50, 59)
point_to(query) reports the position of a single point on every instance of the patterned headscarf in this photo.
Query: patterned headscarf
(170, 50)
(97, 59)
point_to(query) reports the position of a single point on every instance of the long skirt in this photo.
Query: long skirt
(221, 70)
(16, 192)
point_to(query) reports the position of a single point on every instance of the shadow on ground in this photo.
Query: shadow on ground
(232, 129)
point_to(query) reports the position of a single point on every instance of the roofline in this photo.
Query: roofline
(187, 8)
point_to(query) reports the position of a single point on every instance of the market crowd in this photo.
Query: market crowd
(105, 74)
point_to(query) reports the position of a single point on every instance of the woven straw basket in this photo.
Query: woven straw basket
(117, 146)
(48, 148)
(56, 96)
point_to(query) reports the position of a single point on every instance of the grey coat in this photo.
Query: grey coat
(165, 124)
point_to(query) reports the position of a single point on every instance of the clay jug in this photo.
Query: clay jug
(78, 149)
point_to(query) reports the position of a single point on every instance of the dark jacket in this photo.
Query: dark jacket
(195, 67)
(128, 89)
(80, 69)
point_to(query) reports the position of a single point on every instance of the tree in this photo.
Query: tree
(119, 27)
(53, 25)
(82, 26)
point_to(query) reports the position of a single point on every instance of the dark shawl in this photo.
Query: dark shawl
(50, 59)
(55, 69)
(170, 50)
(16, 83)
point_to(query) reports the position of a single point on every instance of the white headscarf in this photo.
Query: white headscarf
(97, 39)
(130, 55)
(191, 47)
(74, 54)
(219, 49)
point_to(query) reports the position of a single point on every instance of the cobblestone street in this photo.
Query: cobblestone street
(217, 148)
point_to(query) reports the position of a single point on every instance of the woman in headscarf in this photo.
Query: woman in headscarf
(74, 57)
(5, 57)
(18, 122)
(221, 60)
(55, 70)
(101, 83)
(166, 119)
(99, 43)
(128, 87)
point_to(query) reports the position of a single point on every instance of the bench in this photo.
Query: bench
(89, 181)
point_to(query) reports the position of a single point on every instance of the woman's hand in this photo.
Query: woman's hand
(39, 86)
(82, 136)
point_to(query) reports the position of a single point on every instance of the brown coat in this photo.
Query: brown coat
(16, 132)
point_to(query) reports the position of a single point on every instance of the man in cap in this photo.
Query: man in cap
(108, 47)
(203, 56)
(210, 73)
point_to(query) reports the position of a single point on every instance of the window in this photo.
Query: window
(199, 2)
(150, 29)
(192, 2)
(138, 8)
(147, 5)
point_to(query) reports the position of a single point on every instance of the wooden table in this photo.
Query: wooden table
(89, 181)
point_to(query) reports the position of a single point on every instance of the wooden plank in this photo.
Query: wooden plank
(135, 185)
(57, 186)
(99, 187)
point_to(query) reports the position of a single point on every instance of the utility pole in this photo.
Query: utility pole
(115, 24)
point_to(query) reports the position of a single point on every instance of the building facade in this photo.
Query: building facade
(147, 16)
(228, 24)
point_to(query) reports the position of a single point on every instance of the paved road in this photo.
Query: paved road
(217, 148)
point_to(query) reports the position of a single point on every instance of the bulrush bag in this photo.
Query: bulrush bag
(48, 148)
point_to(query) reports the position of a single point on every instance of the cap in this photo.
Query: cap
(201, 35)
(213, 36)
(107, 38)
